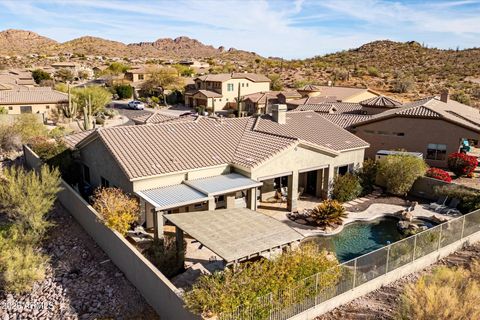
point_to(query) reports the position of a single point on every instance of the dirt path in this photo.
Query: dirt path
(381, 304)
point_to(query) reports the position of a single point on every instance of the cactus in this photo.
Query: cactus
(70, 111)
(88, 121)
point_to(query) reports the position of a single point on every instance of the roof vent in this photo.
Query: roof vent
(444, 96)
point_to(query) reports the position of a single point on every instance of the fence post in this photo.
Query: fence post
(463, 226)
(316, 289)
(388, 258)
(354, 273)
(440, 237)
(414, 247)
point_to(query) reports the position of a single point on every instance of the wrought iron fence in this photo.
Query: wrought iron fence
(316, 289)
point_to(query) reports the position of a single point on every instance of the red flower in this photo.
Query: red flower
(461, 164)
(438, 174)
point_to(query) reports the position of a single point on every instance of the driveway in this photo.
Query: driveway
(122, 108)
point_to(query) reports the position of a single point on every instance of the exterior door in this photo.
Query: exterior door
(311, 182)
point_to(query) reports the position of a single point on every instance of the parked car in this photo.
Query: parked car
(136, 105)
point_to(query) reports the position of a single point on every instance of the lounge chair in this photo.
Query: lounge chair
(452, 207)
(439, 205)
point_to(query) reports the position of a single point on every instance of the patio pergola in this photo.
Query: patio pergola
(235, 234)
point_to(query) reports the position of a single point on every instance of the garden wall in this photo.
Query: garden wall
(424, 188)
(157, 290)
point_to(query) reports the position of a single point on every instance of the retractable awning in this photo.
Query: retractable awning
(226, 183)
(173, 196)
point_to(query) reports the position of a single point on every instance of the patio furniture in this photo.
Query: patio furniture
(439, 204)
(300, 192)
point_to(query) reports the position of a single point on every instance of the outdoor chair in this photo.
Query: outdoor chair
(440, 204)
(300, 192)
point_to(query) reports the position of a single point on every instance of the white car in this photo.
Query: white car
(136, 105)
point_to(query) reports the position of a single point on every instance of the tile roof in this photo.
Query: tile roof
(382, 102)
(73, 139)
(310, 88)
(263, 97)
(345, 120)
(434, 108)
(332, 107)
(313, 100)
(221, 77)
(158, 117)
(43, 95)
(311, 127)
(184, 145)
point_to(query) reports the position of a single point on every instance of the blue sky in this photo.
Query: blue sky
(289, 29)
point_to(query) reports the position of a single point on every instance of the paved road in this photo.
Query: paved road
(122, 108)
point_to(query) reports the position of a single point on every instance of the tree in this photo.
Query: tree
(82, 74)
(39, 75)
(117, 209)
(399, 172)
(328, 213)
(124, 91)
(3, 110)
(346, 187)
(184, 71)
(162, 79)
(28, 126)
(276, 82)
(98, 96)
(367, 175)
(116, 68)
(64, 75)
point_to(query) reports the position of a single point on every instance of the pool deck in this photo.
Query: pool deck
(374, 211)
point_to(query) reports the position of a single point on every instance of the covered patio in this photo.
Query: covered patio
(228, 191)
(233, 235)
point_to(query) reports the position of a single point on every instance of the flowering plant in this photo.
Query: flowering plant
(438, 174)
(461, 164)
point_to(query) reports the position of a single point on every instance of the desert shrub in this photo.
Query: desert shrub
(47, 148)
(399, 172)
(40, 75)
(124, 91)
(469, 198)
(117, 209)
(461, 164)
(346, 187)
(3, 110)
(340, 74)
(372, 71)
(448, 293)
(110, 113)
(462, 97)
(99, 120)
(438, 174)
(328, 213)
(28, 126)
(403, 83)
(59, 132)
(9, 139)
(163, 254)
(224, 291)
(367, 175)
(20, 267)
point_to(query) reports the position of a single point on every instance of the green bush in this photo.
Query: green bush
(40, 75)
(469, 199)
(47, 149)
(225, 291)
(372, 71)
(399, 172)
(124, 91)
(367, 175)
(328, 213)
(346, 187)
(3, 110)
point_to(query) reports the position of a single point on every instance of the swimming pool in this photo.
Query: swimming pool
(359, 238)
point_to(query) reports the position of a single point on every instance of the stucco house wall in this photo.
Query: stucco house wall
(37, 108)
(418, 133)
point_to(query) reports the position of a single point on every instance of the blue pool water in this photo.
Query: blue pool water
(359, 238)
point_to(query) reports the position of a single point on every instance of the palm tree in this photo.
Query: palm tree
(328, 213)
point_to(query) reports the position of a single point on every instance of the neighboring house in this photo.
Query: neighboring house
(74, 67)
(12, 79)
(40, 100)
(212, 163)
(260, 102)
(138, 74)
(434, 126)
(217, 92)
(312, 94)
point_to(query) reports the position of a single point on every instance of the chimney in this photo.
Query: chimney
(444, 96)
(279, 113)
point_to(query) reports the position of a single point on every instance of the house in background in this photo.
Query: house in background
(434, 126)
(211, 163)
(12, 79)
(217, 92)
(138, 74)
(260, 102)
(73, 67)
(39, 100)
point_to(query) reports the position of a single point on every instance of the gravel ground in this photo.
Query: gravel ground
(381, 304)
(81, 282)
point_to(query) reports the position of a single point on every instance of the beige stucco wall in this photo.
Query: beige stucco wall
(418, 134)
(102, 164)
(360, 97)
(40, 108)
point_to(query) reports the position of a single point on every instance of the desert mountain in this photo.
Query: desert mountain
(20, 42)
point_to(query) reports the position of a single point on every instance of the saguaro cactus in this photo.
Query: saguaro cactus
(70, 111)
(88, 122)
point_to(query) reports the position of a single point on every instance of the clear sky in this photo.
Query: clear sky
(289, 29)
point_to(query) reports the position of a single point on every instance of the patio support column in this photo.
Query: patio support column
(329, 180)
(252, 199)
(179, 245)
(158, 223)
(292, 196)
(211, 204)
(230, 200)
(319, 186)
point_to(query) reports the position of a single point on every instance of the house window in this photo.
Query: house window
(247, 84)
(436, 151)
(86, 174)
(399, 134)
(243, 85)
(229, 86)
(10, 108)
(25, 109)
(140, 77)
(47, 107)
(104, 182)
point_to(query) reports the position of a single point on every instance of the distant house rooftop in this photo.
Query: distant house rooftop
(221, 77)
(34, 96)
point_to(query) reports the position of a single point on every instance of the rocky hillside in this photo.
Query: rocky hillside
(21, 42)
